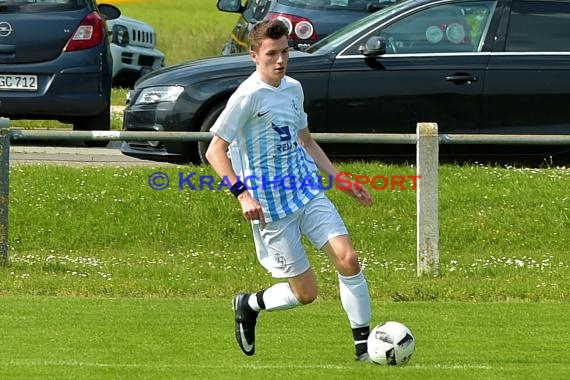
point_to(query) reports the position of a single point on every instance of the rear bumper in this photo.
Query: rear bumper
(76, 84)
(53, 106)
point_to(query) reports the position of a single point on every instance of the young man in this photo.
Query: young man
(271, 149)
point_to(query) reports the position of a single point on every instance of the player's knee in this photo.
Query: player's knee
(348, 265)
(307, 295)
(307, 298)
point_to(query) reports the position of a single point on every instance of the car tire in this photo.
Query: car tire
(99, 122)
(209, 121)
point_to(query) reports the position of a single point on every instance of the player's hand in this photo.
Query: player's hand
(360, 193)
(250, 207)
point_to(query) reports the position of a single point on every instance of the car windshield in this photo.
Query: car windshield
(353, 5)
(34, 6)
(337, 38)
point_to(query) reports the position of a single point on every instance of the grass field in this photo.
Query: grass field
(104, 231)
(127, 338)
(111, 279)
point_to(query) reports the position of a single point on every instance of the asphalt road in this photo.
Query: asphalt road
(29, 152)
(21, 154)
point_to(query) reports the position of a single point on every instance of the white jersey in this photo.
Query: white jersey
(261, 123)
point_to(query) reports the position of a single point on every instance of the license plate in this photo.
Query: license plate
(18, 82)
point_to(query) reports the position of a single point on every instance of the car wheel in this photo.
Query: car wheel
(99, 122)
(206, 125)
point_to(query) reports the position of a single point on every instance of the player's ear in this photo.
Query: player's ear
(253, 55)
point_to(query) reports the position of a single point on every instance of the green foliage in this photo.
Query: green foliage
(96, 231)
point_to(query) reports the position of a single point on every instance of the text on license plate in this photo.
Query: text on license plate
(18, 82)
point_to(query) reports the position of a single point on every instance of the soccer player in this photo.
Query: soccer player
(264, 127)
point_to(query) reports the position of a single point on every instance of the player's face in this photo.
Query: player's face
(271, 60)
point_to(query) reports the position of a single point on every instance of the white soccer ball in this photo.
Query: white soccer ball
(391, 343)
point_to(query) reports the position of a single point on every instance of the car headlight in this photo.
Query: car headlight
(161, 94)
(120, 35)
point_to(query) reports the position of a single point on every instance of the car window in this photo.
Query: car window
(344, 34)
(33, 6)
(259, 8)
(449, 28)
(354, 5)
(539, 26)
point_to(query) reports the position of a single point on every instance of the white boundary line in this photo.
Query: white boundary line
(72, 363)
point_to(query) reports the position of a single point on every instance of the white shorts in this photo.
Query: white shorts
(278, 245)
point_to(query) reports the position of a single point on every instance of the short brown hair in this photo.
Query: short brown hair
(274, 29)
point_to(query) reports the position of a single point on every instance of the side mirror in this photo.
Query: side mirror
(374, 46)
(233, 6)
(109, 12)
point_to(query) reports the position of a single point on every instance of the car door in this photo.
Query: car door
(528, 80)
(433, 71)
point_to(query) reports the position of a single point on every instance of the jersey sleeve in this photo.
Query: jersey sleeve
(233, 117)
(303, 119)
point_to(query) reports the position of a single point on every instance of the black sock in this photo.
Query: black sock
(360, 335)
(260, 300)
(258, 303)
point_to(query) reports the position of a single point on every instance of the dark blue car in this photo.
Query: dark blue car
(55, 61)
(308, 20)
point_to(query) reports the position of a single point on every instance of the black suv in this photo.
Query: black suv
(472, 66)
(55, 62)
(308, 20)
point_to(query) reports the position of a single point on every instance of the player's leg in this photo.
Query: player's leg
(354, 294)
(299, 290)
(279, 249)
(324, 227)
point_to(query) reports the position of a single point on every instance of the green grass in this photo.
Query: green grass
(186, 29)
(104, 338)
(105, 232)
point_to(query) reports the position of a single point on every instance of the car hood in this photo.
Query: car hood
(210, 69)
(129, 21)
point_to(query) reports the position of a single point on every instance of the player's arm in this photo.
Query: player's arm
(326, 166)
(218, 159)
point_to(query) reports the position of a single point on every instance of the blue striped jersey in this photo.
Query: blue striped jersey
(261, 124)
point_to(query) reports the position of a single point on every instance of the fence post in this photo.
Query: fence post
(4, 187)
(427, 199)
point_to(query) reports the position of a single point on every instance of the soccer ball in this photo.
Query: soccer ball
(391, 343)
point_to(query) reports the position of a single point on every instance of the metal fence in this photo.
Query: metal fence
(426, 138)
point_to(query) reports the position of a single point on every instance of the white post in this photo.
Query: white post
(4, 187)
(427, 199)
